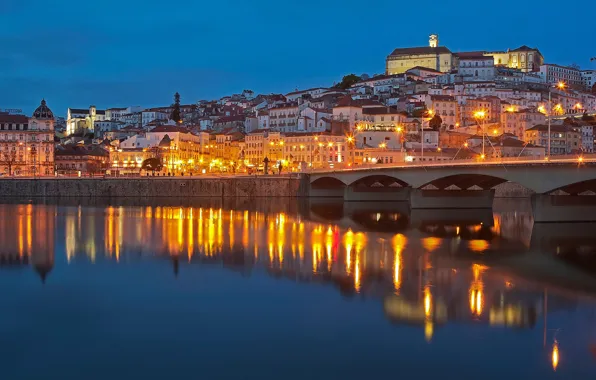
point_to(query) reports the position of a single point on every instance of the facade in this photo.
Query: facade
(284, 118)
(588, 79)
(83, 120)
(84, 159)
(524, 58)
(434, 57)
(564, 139)
(153, 114)
(446, 107)
(27, 144)
(475, 66)
(317, 150)
(517, 122)
(551, 74)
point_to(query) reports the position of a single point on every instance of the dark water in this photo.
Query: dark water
(286, 290)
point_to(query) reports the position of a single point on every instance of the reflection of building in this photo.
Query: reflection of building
(27, 231)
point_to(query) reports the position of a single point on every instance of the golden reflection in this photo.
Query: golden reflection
(478, 245)
(427, 302)
(555, 356)
(357, 274)
(476, 291)
(431, 243)
(348, 241)
(399, 242)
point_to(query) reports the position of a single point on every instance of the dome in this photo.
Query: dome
(43, 112)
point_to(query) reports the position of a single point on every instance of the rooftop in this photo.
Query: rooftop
(419, 51)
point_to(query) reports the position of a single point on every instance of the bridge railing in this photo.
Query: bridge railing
(468, 162)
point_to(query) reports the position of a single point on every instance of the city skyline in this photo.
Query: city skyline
(138, 58)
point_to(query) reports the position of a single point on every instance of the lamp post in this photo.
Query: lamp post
(560, 85)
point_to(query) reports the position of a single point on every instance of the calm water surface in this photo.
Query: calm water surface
(286, 290)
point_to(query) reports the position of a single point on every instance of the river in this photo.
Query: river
(282, 289)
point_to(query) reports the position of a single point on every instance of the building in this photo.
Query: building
(311, 92)
(588, 79)
(516, 122)
(284, 118)
(434, 57)
(27, 144)
(317, 150)
(564, 139)
(572, 76)
(475, 66)
(83, 120)
(154, 114)
(180, 150)
(447, 108)
(524, 58)
(81, 159)
(509, 146)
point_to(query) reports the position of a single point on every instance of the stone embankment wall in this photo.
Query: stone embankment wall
(155, 187)
(512, 190)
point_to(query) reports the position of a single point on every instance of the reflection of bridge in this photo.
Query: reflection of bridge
(467, 185)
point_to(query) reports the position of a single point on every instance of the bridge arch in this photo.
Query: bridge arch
(379, 180)
(469, 181)
(587, 187)
(327, 183)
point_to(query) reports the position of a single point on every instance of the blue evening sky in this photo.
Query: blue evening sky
(115, 53)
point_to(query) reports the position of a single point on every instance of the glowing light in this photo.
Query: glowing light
(427, 303)
(431, 243)
(479, 114)
(561, 85)
(580, 159)
(465, 145)
(482, 156)
(555, 356)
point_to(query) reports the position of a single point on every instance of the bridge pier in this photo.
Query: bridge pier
(563, 208)
(372, 194)
(451, 199)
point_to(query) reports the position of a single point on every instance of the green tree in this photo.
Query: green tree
(348, 81)
(175, 115)
(435, 122)
(151, 164)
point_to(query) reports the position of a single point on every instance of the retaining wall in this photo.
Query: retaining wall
(154, 187)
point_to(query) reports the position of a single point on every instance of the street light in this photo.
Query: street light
(561, 86)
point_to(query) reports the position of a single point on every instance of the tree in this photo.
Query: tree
(9, 159)
(175, 115)
(435, 122)
(348, 81)
(152, 164)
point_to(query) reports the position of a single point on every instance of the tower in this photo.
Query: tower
(433, 40)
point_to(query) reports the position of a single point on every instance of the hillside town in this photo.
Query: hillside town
(429, 105)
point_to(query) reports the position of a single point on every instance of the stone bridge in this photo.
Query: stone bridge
(567, 183)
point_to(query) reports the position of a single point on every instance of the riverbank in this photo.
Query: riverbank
(233, 186)
(249, 187)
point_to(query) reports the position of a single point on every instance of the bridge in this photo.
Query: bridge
(561, 189)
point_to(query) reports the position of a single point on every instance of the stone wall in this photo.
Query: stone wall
(154, 187)
(512, 190)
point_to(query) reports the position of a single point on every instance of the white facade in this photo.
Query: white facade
(78, 119)
(554, 73)
(284, 118)
(150, 115)
(588, 79)
(313, 92)
(477, 68)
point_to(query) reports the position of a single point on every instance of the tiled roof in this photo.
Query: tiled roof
(8, 118)
(419, 51)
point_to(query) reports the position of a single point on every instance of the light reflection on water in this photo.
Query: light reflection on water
(440, 274)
